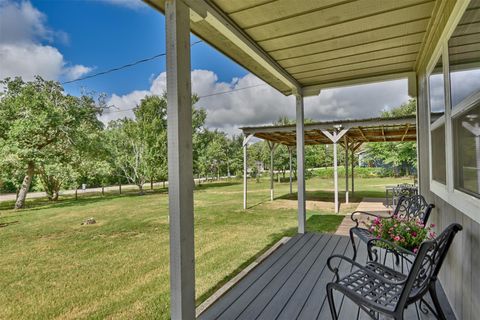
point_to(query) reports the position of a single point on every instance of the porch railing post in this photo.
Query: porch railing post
(180, 161)
(300, 135)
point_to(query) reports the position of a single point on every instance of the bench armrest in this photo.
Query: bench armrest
(352, 216)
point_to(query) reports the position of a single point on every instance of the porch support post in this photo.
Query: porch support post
(272, 146)
(245, 169)
(335, 136)
(180, 161)
(346, 168)
(300, 136)
(290, 163)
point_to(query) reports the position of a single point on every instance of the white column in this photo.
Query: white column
(353, 173)
(245, 169)
(334, 137)
(272, 147)
(346, 168)
(300, 164)
(335, 172)
(245, 176)
(290, 162)
(180, 161)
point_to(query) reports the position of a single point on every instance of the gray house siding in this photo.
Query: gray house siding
(460, 276)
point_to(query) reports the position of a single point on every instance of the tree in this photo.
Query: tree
(395, 153)
(37, 118)
(129, 150)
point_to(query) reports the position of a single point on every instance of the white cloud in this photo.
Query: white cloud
(263, 105)
(75, 72)
(23, 52)
(131, 4)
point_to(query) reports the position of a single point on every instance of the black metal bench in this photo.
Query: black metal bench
(380, 290)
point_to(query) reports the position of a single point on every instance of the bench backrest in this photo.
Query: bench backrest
(414, 207)
(427, 264)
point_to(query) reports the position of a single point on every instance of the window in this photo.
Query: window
(464, 65)
(437, 91)
(439, 172)
(437, 119)
(464, 56)
(467, 153)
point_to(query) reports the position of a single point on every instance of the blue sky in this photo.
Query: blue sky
(103, 35)
(65, 40)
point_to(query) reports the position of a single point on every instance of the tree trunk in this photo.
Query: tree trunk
(22, 194)
(163, 184)
(120, 188)
(103, 190)
(151, 184)
(140, 186)
(55, 195)
(76, 194)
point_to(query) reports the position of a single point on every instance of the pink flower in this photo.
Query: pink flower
(397, 238)
(415, 250)
(414, 234)
(432, 225)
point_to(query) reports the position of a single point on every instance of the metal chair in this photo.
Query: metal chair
(380, 290)
(414, 207)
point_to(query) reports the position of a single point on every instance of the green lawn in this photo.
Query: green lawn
(52, 267)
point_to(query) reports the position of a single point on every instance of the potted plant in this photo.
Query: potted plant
(408, 234)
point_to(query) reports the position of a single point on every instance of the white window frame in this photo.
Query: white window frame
(437, 185)
(462, 201)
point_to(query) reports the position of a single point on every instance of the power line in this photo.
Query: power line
(101, 73)
(208, 95)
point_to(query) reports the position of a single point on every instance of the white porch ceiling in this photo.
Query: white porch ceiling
(318, 43)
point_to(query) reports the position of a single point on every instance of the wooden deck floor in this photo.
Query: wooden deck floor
(290, 284)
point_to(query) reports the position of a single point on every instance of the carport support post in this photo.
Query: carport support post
(335, 137)
(180, 161)
(272, 146)
(290, 163)
(353, 172)
(300, 135)
(346, 168)
(245, 169)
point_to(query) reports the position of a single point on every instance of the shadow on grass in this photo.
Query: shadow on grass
(316, 223)
(209, 185)
(95, 197)
(328, 196)
(6, 224)
(324, 223)
(83, 199)
(274, 238)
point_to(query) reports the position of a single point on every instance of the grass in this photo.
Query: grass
(53, 267)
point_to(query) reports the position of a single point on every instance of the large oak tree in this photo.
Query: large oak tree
(40, 122)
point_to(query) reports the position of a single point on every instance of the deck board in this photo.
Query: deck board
(291, 284)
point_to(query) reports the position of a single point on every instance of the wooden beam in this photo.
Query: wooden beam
(228, 28)
(363, 134)
(312, 89)
(406, 131)
(180, 161)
